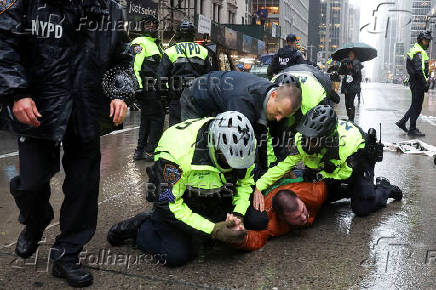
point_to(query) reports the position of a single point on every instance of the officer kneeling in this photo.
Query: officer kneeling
(203, 182)
(341, 154)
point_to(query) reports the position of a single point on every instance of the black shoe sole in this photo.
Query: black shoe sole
(81, 284)
(416, 135)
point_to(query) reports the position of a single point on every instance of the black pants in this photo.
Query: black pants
(365, 196)
(416, 105)
(172, 240)
(39, 161)
(152, 123)
(349, 105)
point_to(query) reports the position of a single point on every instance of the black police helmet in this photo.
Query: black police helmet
(319, 122)
(150, 18)
(287, 79)
(147, 19)
(424, 35)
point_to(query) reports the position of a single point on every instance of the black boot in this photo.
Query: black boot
(74, 273)
(140, 154)
(125, 230)
(27, 243)
(35, 212)
(402, 126)
(415, 133)
(396, 192)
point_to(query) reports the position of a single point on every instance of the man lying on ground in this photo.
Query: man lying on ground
(294, 204)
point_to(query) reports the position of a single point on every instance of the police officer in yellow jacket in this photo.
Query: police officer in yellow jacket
(417, 67)
(181, 63)
(203, 171)
(343, 155)
(147, 54)
(312, 94)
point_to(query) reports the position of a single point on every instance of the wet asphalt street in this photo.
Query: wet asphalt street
(393, 248)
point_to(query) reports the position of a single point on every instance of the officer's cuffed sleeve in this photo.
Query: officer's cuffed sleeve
(241, 200)
(275, 173)
(13, 81)
(184, 214)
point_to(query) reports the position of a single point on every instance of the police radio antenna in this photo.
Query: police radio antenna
(379, 140)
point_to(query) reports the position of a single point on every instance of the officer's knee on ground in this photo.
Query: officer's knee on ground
(177, 258)
(361, 208)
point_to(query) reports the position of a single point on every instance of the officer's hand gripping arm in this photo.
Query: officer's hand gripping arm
(275, 173)
(241, 200)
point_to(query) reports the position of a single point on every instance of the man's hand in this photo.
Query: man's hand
(234, 222)
(258, 200)
(26, 112)
(118, 111)
(222, 233)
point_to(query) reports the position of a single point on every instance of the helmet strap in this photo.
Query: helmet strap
(212, 155)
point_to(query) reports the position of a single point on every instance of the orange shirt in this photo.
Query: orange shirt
(312, 194)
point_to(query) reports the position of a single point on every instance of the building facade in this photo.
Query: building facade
(333, 28)
(313, 37)
(291, 15)
(218, 11)
(420, 10)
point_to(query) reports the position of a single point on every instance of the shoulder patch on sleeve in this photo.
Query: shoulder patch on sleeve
(171, 174)
(137, 49)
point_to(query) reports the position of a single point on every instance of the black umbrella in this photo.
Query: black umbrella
(363, 51)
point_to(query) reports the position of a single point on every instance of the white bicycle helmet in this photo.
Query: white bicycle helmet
(232, 134)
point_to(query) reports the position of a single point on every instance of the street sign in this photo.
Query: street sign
(273, 30)
(204, 24)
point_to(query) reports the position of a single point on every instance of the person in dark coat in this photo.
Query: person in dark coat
(262, 102)
(333, 70)
(351, 69)
(286, 56)
(51, 69)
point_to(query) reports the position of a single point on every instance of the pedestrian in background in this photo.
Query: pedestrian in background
(351, 70)
(333, 70)
(286, 56)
